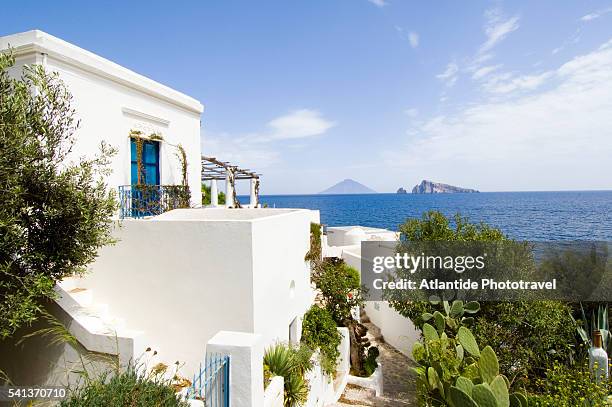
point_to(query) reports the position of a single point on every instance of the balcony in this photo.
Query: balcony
(139, 201)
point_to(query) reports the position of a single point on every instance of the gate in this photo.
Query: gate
(211, 384)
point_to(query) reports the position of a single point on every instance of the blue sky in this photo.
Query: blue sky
(513, 95)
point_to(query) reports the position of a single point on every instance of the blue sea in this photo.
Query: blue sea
(582, 215)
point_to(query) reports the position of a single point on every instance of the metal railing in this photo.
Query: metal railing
(138, 201)
(211, 384)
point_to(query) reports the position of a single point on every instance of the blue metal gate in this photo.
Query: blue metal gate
(212, 383)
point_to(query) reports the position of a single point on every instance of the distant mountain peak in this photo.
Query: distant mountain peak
(348, 186)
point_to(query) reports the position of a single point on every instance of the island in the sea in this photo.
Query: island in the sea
(401, 190)
(430, 187)
(348, 186)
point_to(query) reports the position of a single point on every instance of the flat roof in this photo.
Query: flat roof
(223, 214)
(36, 41)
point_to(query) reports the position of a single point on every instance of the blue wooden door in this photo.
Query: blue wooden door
(145, 191)
(150, 163)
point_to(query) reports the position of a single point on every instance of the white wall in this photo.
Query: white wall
(398, 331)
(281, 277)
(40, 361)
(101, 106)
(182, 281)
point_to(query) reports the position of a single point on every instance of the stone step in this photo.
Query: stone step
(84, 296)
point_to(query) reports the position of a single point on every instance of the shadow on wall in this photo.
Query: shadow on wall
(48, 359)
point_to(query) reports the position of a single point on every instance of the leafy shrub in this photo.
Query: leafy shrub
(314, 253)
(370, 364)
(129, 388)
(54, 214)
(319, 331)
(206, 199)
(291, 363)
(340, 288)
(514, 329)
(517, 330)
(570, 387)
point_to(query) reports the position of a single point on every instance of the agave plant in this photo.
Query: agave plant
(597, 321)
(291, 363)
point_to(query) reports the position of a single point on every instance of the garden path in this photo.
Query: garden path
(398, 378)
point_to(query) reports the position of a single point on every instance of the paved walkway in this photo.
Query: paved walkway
(398, 378)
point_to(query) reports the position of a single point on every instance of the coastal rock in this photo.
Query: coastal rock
(430, 187)
(401, 190)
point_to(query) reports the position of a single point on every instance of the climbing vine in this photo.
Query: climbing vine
(136, 135)
(139, 140)
(182, 156)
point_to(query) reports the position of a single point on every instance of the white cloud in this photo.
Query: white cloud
(449, 76)
(557, 138)
(238, 150)
(413, 38)
(596, 14)
(299, 124)
(412, 112)
(379, 3)
(573, 39)
(261, 149)
(507, 83)
(497, 28)
(484, 71)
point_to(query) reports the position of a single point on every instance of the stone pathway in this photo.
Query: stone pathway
(398, 378)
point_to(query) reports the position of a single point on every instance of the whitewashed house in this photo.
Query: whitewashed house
(172, 281)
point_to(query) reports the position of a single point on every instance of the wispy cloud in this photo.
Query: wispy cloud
(484, 71)
(507, 83)
(239, 150)
(557, 136)
(261, 148)
(596, 14)
(379, 3)
(413, 38)
(298, 124)
(449, 76)
(573, 39)
(497, 27)
(412, 112)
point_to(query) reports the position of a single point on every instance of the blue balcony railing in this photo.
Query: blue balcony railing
(138, 201)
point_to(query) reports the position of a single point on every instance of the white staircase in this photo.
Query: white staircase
(94, 325)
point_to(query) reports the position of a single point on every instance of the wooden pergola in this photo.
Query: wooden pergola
(214, 170)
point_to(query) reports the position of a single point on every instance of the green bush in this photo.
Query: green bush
(127, 389)
(529, 337)
(570, 387)
(319, 331)
(340, 288)
(55, 209)
(291, 363)
(314, 252)
(206, 200)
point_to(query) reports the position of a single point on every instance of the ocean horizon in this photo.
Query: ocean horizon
(529, 215)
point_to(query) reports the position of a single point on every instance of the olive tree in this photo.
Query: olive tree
(55, 209)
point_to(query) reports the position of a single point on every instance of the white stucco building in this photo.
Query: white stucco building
(172, 281)
(111, 102)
